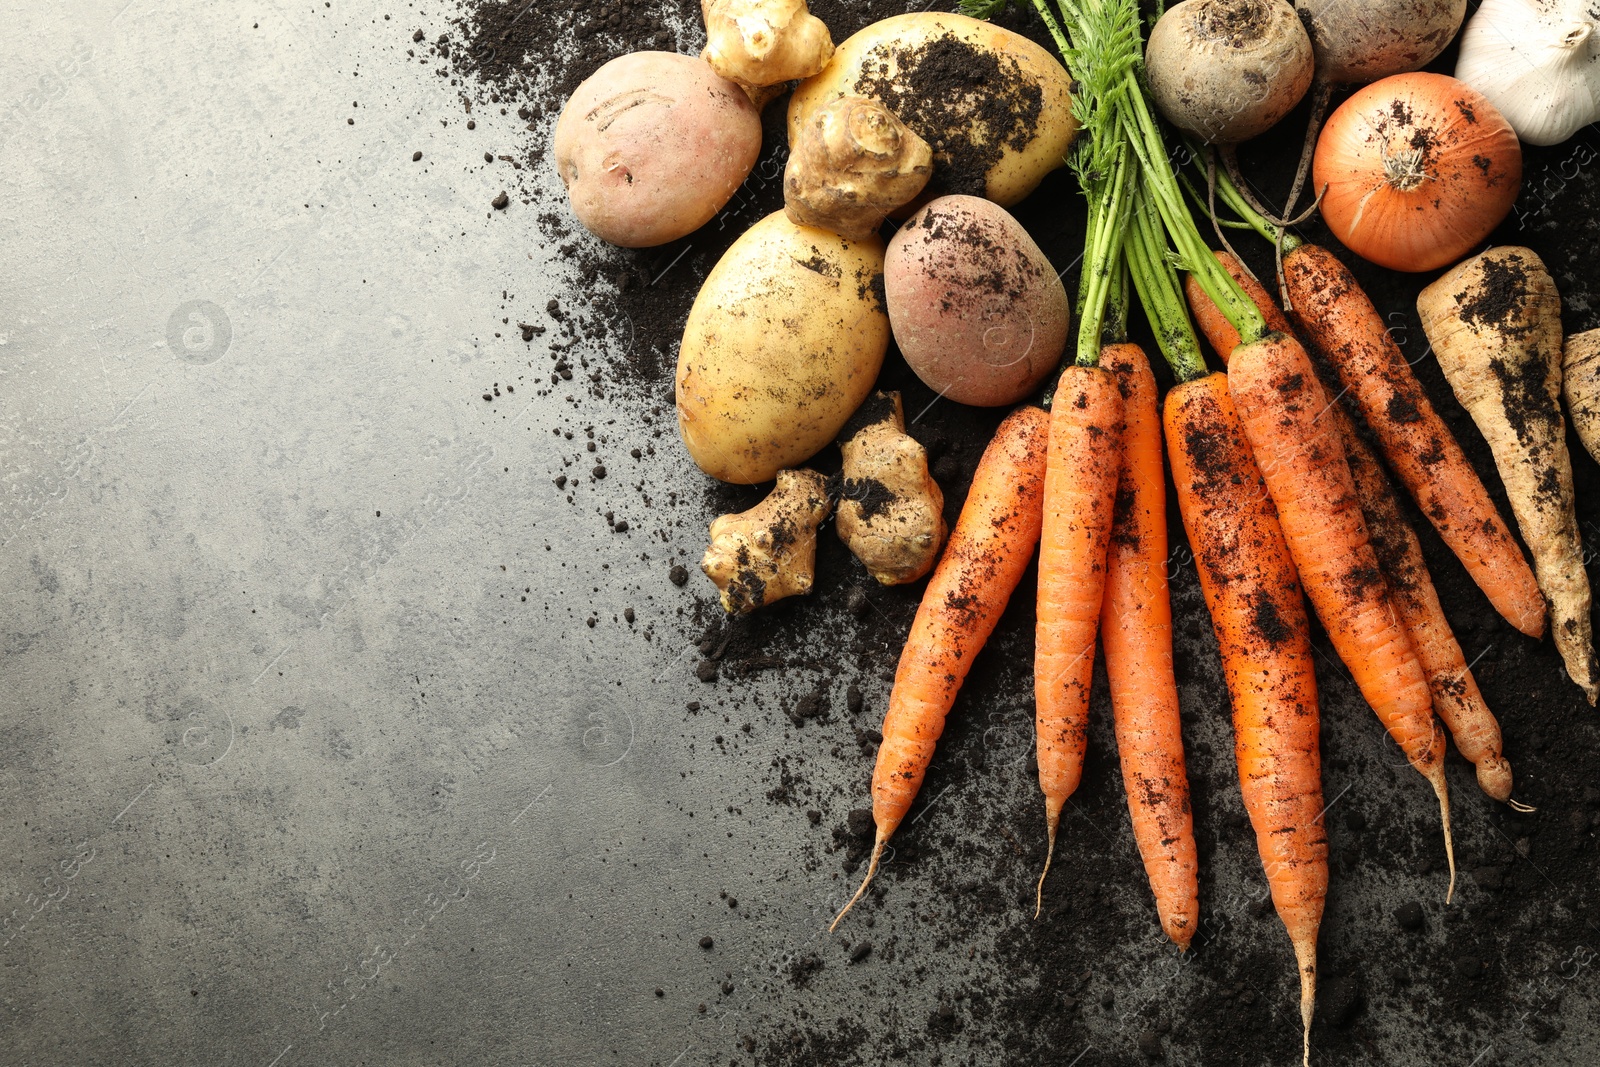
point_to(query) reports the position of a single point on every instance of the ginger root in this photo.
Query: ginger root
(761, 43)
(891, 512)
(852, 164)
(770, 551)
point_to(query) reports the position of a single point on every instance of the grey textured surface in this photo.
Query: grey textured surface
(309, 754)
(282, 776)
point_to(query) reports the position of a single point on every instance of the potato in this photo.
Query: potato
(996, 107)
(782, 345)
(977, 309)
(651, 146)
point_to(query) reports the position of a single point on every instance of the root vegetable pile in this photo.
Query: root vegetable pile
(942, 121)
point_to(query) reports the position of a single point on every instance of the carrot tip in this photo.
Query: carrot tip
(872, 868)
(1443, 790)
(1494, 778)
(1305, 954)
(1052, 821)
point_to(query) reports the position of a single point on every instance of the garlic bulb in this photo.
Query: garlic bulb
(1538, 61)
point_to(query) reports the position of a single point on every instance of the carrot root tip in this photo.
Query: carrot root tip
(1494, 778)
(1052, 821)
(1305, 952)
(1443, 790)
(872, 868)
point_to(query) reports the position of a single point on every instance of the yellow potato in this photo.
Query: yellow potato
(782, 345)
(996, 107)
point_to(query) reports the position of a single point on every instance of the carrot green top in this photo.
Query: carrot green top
(1118, 142)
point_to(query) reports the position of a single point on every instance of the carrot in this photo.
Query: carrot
(1136, 631)
(1341, 322)
(1495, 324)
(1254, 598)
(1301, 457)
(1249, 582)
(1080, 490)
(988, 551)
(1455, 694)
(1217, 329)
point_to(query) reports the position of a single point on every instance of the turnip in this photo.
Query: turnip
(1360, 41)
(1228, 70)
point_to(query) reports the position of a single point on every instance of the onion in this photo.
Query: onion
(1419, 168)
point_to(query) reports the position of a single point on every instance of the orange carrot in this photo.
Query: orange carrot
(1456, 698)
(988, 551)
(1136, 631)
(1281, 405)
(1080, 490)
(1254, 599)
(1455, 695)
(1216, 328)
(1342, 324)
(1285, 412)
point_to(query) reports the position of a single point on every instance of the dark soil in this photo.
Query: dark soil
(967, 103)
(957, 971)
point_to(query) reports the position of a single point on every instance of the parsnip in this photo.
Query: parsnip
(1495, 324)
(1580, 386)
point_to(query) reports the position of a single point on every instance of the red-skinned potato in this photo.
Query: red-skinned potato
(976, 308)
(652, 145)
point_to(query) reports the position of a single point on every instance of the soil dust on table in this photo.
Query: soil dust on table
(943, 964)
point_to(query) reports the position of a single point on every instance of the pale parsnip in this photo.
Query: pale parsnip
(1495, 324)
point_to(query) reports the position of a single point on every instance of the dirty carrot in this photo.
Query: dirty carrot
(1136, 632)
(1339, 321)
(1085, 457)
(1284, 411)
(1455, 694)
(989, 549)
(1080, 489)
(1495, 325)
(1254, 599)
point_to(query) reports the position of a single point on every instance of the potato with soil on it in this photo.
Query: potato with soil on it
(996, 107)
(783, 343)
(652, 145)
(978, 311)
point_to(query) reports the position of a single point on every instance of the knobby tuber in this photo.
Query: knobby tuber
(769, 552)
(852, 163)
(762, 43)
(891, 512)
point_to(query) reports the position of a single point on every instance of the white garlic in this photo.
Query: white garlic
(1538, 62)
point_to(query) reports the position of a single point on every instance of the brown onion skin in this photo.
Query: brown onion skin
(1419, 169)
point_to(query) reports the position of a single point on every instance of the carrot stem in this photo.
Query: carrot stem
(1155, 280)
(1108, 217)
